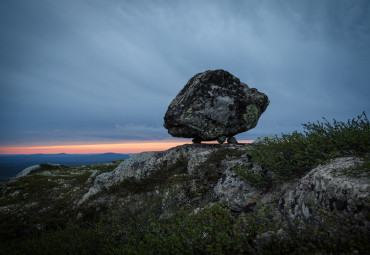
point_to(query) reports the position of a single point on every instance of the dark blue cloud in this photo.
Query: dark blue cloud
(105, 71)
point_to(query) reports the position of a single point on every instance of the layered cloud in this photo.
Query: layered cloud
(107, 70)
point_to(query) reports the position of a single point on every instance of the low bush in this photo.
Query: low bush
(294, 154)
(211, 230)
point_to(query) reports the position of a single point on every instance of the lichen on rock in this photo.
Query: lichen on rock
(214, 105)
(323, 190)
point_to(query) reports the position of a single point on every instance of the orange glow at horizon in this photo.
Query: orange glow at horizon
(129, 147)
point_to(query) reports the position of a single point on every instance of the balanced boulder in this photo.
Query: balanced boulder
(214, 105)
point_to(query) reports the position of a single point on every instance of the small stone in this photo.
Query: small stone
(221, 139)
(196, 141)
(232, 140)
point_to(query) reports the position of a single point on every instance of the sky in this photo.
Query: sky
(89, 72)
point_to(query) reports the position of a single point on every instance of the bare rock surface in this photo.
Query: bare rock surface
(204, 163)
(30, 169)
(210, 173)
(233, 190)
(27, 170)
(328, 188)
(214, 105)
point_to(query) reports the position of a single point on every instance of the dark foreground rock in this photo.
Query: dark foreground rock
(214, 105)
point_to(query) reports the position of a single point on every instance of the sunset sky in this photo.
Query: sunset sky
(101, 74)
(127, 147)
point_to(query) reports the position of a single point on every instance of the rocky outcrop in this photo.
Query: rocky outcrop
(30, 169)
(200, 174)
(210, 173)
(27, 171)
(209, 167)
(214, 105)
(236, 192)
(331, 190)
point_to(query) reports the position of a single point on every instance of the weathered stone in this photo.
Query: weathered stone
(30, 169)
(233, 190)
(221, 139)
(226, 186)
(232, 140)
(196, 141)
(214, 104)
(91, 178)
(328, 188)
(27, 171)
(142, 165)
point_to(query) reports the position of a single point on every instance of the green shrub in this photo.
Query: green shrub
(294, 154)
(332, 233)
(211, 230)
(256, 179)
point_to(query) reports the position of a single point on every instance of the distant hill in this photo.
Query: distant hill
(10, 165)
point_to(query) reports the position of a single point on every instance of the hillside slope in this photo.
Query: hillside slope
(193, 195)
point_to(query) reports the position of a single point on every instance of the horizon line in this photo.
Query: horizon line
(99, 148)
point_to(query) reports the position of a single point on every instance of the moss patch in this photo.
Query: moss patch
(188, 114)
(251, 114)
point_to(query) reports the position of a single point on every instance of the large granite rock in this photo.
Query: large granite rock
(214, 105)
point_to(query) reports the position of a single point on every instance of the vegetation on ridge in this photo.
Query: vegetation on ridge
(43, 199)
(134, 223)
(294, 154)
